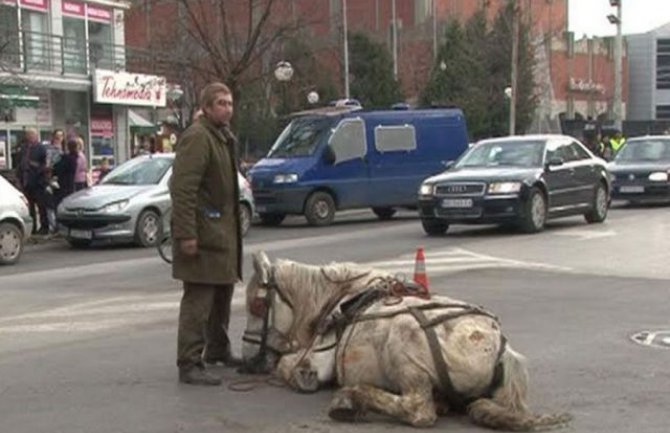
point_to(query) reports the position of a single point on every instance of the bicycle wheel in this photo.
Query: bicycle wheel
(165, 248)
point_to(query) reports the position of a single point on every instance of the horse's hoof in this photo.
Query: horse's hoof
(306, 380)
(342, 408)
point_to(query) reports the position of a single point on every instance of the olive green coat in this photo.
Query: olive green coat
(205, 206)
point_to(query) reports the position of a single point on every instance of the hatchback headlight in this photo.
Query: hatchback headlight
(504, 187)
(115, 207)
(659, 176)
(286, 178)
(426, 189)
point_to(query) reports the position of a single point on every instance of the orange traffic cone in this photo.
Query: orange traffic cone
(420, 276)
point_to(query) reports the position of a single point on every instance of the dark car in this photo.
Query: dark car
(523, 180)
(640, 170)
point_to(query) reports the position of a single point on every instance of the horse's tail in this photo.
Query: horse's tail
(507, 409)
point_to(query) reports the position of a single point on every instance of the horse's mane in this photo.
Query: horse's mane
(313, 289)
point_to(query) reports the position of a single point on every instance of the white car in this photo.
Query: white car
(16, 225)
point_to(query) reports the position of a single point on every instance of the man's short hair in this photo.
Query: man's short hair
(209, 92)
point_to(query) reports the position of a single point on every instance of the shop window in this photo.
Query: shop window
(348, 141)
(395, 138)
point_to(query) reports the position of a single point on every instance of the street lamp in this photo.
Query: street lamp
(509, 93)
(618, 68)
(283, 71)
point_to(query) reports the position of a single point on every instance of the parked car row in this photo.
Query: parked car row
(521, 180)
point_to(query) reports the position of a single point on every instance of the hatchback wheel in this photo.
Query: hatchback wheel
(11, 243)
(148, 230)
(245, 218)
(535, 212)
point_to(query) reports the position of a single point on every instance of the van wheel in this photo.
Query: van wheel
(384, 213)
(320, 209)
(434, 227)
(271, 219)
(11, 243)
(535, 212)
(599, 206)
(148, 230)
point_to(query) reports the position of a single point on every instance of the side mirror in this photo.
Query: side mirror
(329, 156)
(555, 161)
(448, 165)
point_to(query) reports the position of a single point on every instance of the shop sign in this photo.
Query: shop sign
(38, 5)
(102, 127)
(98, 14)
(73, 9)
(129, 89)
(579, 85)
(81, 10)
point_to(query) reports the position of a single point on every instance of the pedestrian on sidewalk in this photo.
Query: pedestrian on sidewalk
(32, 175)
(81, 174)
(206, 235)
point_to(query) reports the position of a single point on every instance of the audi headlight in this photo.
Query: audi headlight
(426, 189)
(115, 207)
(659, 176)
(286, 178)
(504, 187)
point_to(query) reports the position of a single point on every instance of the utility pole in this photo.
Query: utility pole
(434, 4)
(514, 68)
(347, 93)
(618, 68)
(395, 40)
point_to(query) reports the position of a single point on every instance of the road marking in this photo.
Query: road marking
(140, 309)
(586, 235)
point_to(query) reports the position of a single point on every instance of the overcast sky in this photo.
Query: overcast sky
(639, 16)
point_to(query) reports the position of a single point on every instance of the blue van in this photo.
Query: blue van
(342, 157)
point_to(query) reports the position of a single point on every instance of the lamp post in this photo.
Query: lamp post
(395, 40)
(509, 94)
(345, 29)
(618, 67)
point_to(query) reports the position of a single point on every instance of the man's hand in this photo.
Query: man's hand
(189, 246)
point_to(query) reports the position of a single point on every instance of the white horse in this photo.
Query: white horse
(407, 357)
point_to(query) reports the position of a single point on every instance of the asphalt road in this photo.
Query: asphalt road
(87, 338)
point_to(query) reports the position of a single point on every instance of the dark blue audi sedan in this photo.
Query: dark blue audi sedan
(641, 169)
(523, 180)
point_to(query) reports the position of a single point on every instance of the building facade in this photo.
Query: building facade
(576, 76)
(64, 65)
(649, 65)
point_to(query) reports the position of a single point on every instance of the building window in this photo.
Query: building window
(36, 39)
(9, 35)
(663, 112)
(74, 46)
(423, 9)
(663, 64)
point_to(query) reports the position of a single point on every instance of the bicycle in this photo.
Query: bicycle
(164, 246)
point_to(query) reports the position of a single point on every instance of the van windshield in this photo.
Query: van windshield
(301, 137)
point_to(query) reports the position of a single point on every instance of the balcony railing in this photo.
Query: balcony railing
(31, 52)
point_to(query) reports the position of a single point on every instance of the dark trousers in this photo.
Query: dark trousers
(37, 197)
(204, 315)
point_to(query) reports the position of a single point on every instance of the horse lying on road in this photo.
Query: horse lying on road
(408, 357)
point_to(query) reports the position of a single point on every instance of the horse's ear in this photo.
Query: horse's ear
(262, 266)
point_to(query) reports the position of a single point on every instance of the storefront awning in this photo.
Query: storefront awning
(137, 121)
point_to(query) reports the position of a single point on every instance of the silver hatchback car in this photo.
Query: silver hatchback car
(130, 204)
(15, 223)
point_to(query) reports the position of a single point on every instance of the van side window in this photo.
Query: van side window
(395, 138)
(348, 141)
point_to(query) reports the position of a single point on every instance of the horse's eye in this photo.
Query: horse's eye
(258, 308)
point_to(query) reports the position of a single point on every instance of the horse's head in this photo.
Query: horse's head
(269, 317)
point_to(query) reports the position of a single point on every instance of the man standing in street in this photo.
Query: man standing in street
(32, 176)
(206, 235)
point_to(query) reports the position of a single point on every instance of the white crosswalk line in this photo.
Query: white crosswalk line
(143, 309)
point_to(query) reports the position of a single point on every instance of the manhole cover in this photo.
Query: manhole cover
(653, 338)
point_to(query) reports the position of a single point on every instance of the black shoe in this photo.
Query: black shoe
(228, 360)
(198, 376)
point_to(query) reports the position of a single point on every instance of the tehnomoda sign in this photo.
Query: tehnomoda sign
(129, 89)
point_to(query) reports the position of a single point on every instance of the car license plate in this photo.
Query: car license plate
(81, 234)
(631, 189)
(457, 202)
